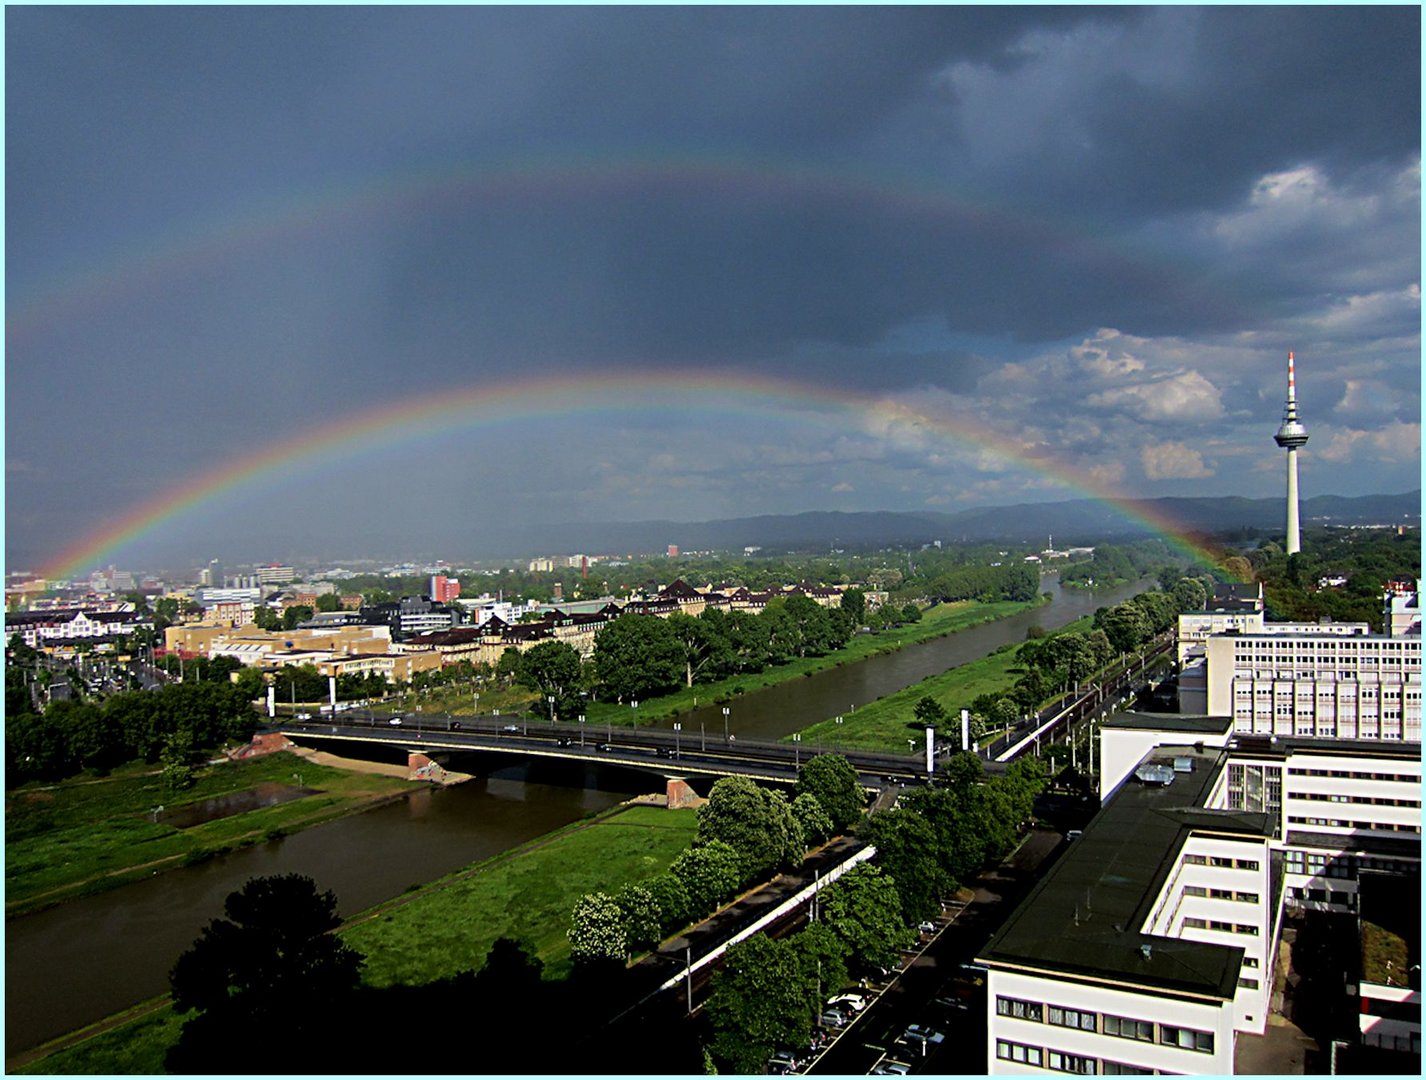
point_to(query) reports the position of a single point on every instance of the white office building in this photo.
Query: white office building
(1151, 944)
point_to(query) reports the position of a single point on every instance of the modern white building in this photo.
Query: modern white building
(1336, 686)
(1152, 942)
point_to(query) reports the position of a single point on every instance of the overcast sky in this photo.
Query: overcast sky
(1089, 235)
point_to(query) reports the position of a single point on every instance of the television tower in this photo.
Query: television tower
(1290, 435)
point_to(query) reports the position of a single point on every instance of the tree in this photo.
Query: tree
(177, 761)
(906, 849)
(853, 602)
(929, 712)
(703, 645)
(266, 618)
(297, 613)
(272, 965)
(674, 907)
(507, 668)
(641, 916)
(552, 669)
(863, 908)
(911, 613)
(596, 929)
(329, 602)
(823, 956)
(758, 1003)
(833, 781)
(709, 874)
(815, 822)
(637, 656)
(756, 822)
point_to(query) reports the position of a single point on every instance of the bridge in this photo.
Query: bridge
(668, 753)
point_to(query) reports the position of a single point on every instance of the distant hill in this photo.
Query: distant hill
(1070, 522)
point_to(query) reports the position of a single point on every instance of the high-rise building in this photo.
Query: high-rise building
(1290, 435)
(444, 589)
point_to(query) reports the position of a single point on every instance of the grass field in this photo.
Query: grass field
(527, 894)
(83, 836)
(936, 622)
(886, 724)
(132, 1048)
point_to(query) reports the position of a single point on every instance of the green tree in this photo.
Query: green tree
(758, 1002)
(637, 656)
(266, 618)
(597, 930)
(703, 645)
(864, 909)
(272, 964)
(756, 822)
(906, 849)
(552, 669)
(177, 761)
(298, 613)
(929, 713)
(675, 908)
(853, 602)
(823, 956)
(329, 602)
(709, 874)
(833, 781)
(911, 613)
(815, 822)
(642, 922)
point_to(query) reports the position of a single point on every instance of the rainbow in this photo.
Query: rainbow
(110, 277)
(485, 406)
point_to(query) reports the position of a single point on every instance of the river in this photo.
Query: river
(86, 959)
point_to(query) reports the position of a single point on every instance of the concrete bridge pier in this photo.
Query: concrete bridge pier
(680, 794)
(421, 766)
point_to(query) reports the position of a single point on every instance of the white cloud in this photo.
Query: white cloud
(1173, 461)
(842, 488)
(1186, 396)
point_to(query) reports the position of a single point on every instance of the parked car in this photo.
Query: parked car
(855, 1002)
(927, 927)
(832, 1018)
(918, 1033)
(889, 1067)
(781, 1063)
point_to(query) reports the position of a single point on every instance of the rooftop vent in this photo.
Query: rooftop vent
(1156, 774)
(1183, 764)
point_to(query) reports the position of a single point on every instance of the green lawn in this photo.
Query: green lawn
(936, 622)
(135, 1048)
(528, 894)
(84, 836)
(883, 724)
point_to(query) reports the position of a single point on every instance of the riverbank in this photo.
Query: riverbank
(433, 931)
(939, 621)
(67, 840)
(888, 723)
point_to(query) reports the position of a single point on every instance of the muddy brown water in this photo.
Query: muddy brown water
(81, 961)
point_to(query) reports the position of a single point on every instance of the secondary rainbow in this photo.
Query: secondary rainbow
(436, 414)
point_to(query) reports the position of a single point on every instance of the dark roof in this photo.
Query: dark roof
(1359, 841)
(1176, 722)
(1283, 746)
(680, 590)
(1083, 916)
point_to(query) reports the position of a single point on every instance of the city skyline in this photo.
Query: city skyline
(283, 274)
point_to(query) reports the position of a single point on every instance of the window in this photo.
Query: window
(1072, 1018)
(1021, 1010)
(1186, 1038)
(1071, 1063)
(1124, 1028)
(1116, 1068)
(1246, 983)
(1011, 1051)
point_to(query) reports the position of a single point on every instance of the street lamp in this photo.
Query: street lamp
(551, 699)
(581, 730)
(702, 736)
(677, 751)
(797, 749)
(839, 733)
(725, 723)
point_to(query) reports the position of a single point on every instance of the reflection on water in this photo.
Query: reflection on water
(86, 959)
(269, 793)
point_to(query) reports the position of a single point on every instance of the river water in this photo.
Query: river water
(791, 706)
(78, 962)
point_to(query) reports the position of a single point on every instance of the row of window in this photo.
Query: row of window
(1217, 924)
(1069, 1063)
(1340, 866)
(1222, 862)
(1121, 1027)
(1339, 823)
(1345, 774)
(1322, 796)
(1221, 894)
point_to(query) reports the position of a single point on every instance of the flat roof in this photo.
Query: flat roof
(1083, 917)
(1176, 722)
(1284, 746)
(1358, 842)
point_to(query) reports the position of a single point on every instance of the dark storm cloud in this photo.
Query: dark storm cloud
(224, 224)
